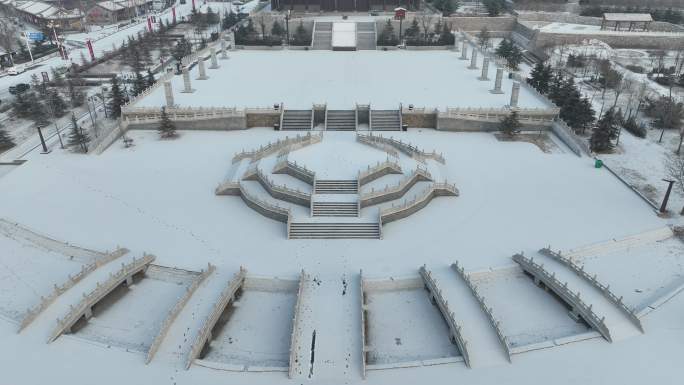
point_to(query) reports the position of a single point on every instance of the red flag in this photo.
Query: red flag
(149, 23)
(193, 5)
(90, 50)
(173, 11)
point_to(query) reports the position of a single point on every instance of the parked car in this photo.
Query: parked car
(19, 88)
(14, 71)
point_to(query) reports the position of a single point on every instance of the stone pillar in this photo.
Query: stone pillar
(497, 82)
(464, 51)
(214, 61)
(515, 92)
(187, 88)
(485, 69)
(168, 92)
(202, 70)
(473, 60)
(224, 53)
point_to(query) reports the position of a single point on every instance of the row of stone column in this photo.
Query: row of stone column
(187, 85)
(515, 90)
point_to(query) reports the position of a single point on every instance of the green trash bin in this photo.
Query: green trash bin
(598, 163)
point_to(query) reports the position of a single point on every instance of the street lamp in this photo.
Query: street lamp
(42, 140)
(287, 26)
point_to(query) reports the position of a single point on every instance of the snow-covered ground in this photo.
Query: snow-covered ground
(158, 196)
(557, 27)
(342, 79)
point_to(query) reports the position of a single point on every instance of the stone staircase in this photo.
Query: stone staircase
(296, 120)
(385, 120)
(335, 209)
(336, 187)
(322, 36)
(341, 120)
(365, 36)
(320, 230)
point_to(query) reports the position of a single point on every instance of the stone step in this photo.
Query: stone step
(334, 230)
(335, 209)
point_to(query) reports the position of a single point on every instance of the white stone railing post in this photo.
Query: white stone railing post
(202, 69)
(473, 60)
(214, 61)
(515, 94)
(485, 69)
(187, 87)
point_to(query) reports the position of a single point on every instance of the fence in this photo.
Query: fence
(294, 344)
(605, 290)
(278, 191)
(443, 306)
(406, 148)
(567, 136)
(270, 148)
(173, 313)
(377, 171)
(486, 309)
(284, 166)
(525, 115)
(32, 314)
(394, 192)
(204, 333)
(394, 213)
(101, 290)
(561, 289)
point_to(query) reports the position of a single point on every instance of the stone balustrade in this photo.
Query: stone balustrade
(592, 279)
(32, 313)
(281, 192)
(561, 289)
(281, 214)
(281, 144)
(407, 208)
(173, 313)
(84, 307)
(379, 170)
(284, 166)
(365, 139)
(147, 91)
(296, 325)
(531, 115)
(405, 148)
(204, 334)
(397, 191)
(137, 115)
(443, 305)
(496, 324)
(364, 350)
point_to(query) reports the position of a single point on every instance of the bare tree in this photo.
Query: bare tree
(674, 167)
(425, 20)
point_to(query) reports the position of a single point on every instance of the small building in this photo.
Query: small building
(112, 11)
(43, 14)
(626, 21)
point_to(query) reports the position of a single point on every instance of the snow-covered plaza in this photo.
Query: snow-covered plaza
(158, 197)
(298, 79)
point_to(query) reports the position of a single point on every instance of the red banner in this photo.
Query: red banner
(149, 23)
(193, 5)
(90, 50)
(173, 11)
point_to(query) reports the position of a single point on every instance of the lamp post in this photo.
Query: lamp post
(287, 26)
(42, 140)
(663, 206)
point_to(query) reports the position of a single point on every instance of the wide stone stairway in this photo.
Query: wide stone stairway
(365, 36)
(341, 120)
(333, 186)
(296, 120)
(337, 230)
(335, 209)
(385, 120)
(322, 35)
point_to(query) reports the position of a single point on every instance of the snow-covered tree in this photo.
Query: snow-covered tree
(116, 98)
(510, 125)
(605, 132)
(6, 141)
(77, 136)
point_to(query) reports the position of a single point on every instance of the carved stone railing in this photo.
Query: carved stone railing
(147, 91)
(101, 290)
(364, 350)
(496, 324)
(525, 115)
(443, 305)
(278, 191)
(365, 139)
(406, 148)
(138, 115)
(389, 193)
(271, 148)
(32, 313)
(204, 334)
(604, 289)
(284, 166)
(296, 327)
(173, 313)
(377, 171)
(562, 290)
(269, 210)
(407, 208)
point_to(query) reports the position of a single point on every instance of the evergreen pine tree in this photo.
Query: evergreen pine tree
(545, 79)
(445, 35)
(301, 37)
(510, 125)
(277, 30)
(387, 37)
(536, 75)
(504, 48)
(56, 103)
(6, 141)
(150, 78)
(21, 105)
(514, 57)
(413, 31)
(37, 110)
(76, 97)
(77, 136)
(166, 127)
(606, 130)
(116, 98)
